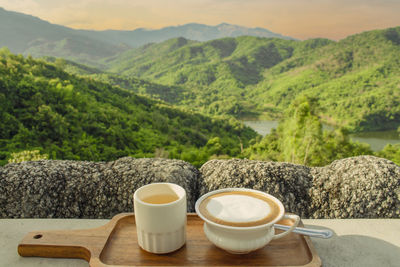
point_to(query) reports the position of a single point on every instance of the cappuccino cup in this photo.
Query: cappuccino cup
(241, 220)
(160, 217)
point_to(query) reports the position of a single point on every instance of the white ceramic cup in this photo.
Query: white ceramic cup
(242, 240)
(161, 228)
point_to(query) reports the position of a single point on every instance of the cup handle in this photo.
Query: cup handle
(296, 219)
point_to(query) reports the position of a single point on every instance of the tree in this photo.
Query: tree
(391, 152)
(214, 146)
(299, 138)
(301, 133)
(27, 155)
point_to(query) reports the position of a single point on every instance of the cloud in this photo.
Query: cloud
(22, 5)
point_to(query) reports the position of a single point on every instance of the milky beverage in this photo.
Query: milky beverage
(239, 209)
(160, 199)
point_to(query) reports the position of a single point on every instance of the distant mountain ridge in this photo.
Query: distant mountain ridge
(27, 34)
(191, 31)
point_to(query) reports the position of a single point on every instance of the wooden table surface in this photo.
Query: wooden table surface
(356, 242)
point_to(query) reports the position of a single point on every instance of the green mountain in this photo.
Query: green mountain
(66, 116)
(355, 79)
(213, 74)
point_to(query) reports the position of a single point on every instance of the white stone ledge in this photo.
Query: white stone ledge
(356, 242)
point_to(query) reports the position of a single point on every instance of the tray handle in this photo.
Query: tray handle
(58, 244)
(82, 244)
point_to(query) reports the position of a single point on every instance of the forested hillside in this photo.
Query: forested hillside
(169, 93)
(356, 80)
(47, 112)
(215, 72)
(69, 117)
(299, 137)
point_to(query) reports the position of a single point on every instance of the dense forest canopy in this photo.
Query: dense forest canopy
(49, 113)
(64, 116)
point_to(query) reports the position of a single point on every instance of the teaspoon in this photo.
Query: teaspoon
(307, 231)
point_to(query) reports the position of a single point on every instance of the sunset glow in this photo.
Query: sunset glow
(302, 19)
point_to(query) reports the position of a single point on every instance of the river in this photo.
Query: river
(377, 139)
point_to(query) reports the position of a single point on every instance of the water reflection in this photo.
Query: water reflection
(377, 139)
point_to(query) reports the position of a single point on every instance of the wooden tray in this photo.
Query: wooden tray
(115, 244)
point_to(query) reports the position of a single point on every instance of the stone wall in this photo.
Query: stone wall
(359, 187)
(81, 189)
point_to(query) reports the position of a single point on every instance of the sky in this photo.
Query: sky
(301, 19)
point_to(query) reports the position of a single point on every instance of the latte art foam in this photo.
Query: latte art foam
(239, 208)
